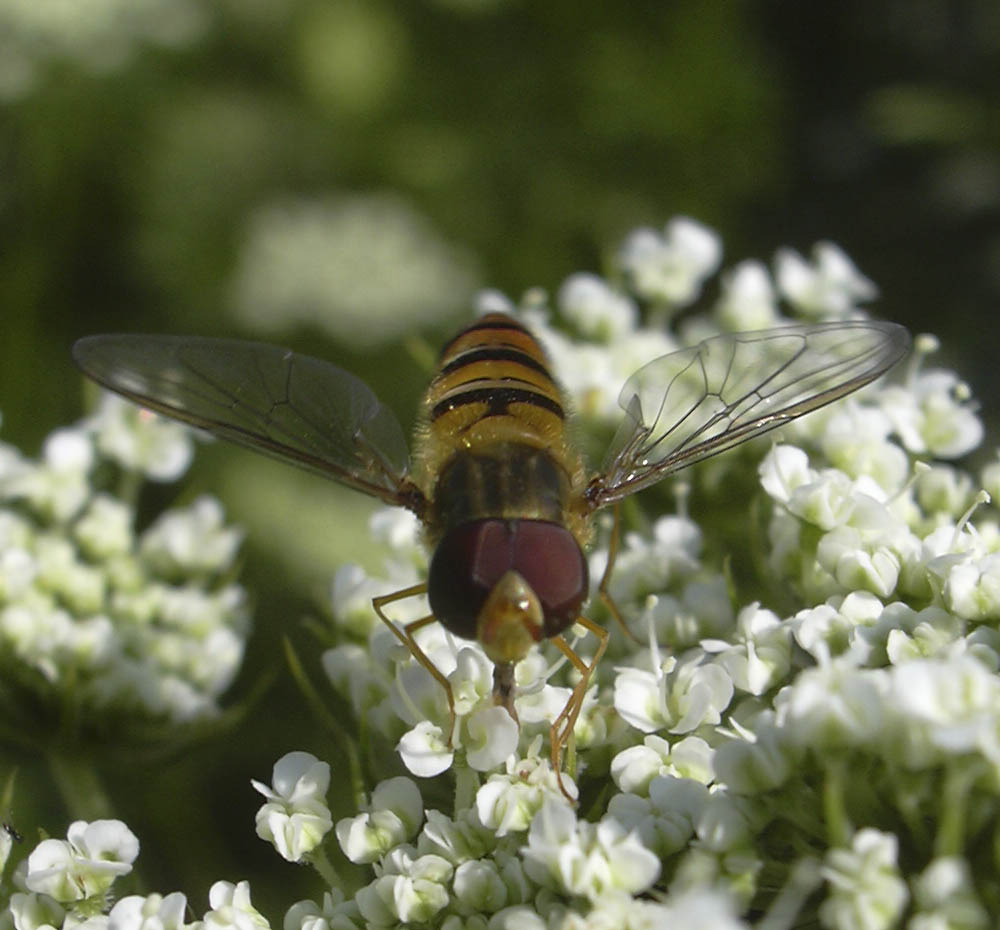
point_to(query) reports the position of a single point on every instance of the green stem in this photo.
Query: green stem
(129, 486)
(786, 909)
(322, 864)
(80, 786)
(835, 814)
(950, 838)
(466, 785)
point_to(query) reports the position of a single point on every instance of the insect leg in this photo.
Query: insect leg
(562, 726)
(405, 636)
(602, 588)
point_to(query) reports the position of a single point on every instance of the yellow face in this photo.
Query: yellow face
(510, 621)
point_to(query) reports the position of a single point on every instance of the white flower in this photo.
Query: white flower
(231, 908)
(456, 840)
(400, 531)
(521, 917)
(634, 768)
(394, 817)
(783, 471)
(828, 629)
(855, 440)
(983, 644)
(411, 889)
(353, 674)
(932, 415)
(618, 910)
(857, 563)
(944, 489)
(670, 267)
(91, 857)
(35, 911)
(649, 564)
(81, 587)
(335, 914)
(417, 695)
(365, 268)
(702, 609)
(18, 571)
(726, 823)
(155, 912)
(943, 708)
(834, 705)
(595, 310)
(866, 545)
(971, 586)
(537, 701)
(425, 751)
(58, 486)
(593, 375)
(68, 450)
(191, 541)
(760, 655)
(479, 886)
(945, 898)
(831, 287)
(583, 858)
(295, 818)
(747, 300)
(491, 735)
(471, 680)
(486, 732)
(490, 300)
(693, 907)
(761, 761)
(508, 802)
(827, 501)
(679, 697)
(666, 820)
(104, 529)
(866, 890)
(351, 594)
(139, 440)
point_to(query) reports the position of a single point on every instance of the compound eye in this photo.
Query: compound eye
(549, 558)
(472, 557)
(466, 564)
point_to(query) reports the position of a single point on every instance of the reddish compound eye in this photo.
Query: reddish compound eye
(472, 557)
(550, 560)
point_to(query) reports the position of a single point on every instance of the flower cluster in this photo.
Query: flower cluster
(96, 614)
(99, 35)
(68, 883)
(797, 716)
(873, 590)
(363, 268)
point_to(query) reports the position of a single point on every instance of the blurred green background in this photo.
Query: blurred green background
(340, 176)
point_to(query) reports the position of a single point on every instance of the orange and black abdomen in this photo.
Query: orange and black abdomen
(494, 439)
(494, 367)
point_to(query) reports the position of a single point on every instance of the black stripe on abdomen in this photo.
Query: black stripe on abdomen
(497, 401)
(493, 323)
(495, 354)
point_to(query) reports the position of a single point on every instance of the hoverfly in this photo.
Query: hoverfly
(503, 493)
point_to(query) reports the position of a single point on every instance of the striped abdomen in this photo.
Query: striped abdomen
(493, 441)
(494, 368)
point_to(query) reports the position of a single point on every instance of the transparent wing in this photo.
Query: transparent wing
(291, 406)
(689, 405)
